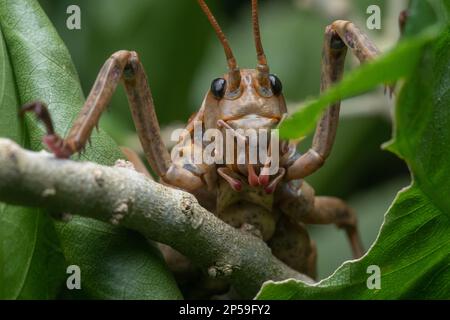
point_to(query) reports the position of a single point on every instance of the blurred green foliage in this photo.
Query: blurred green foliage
(181, 55)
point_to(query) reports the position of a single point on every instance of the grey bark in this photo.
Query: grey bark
(124, 197)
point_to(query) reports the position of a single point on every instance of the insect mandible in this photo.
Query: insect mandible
(273, 206)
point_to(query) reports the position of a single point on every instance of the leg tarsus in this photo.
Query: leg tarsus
(41, 112)
(53, 141)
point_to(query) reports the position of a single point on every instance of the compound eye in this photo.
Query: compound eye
(277, 87)
(218, 87)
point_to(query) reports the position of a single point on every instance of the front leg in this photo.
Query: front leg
(125, 66)
(339, 36)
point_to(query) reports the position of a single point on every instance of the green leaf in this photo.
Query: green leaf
(412, 249)
(31, 261)
(43, 70)
(9, 121)
(388, 68)
(422, 14)
(122, 254)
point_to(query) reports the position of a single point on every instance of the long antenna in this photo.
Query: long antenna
(228, 52)
(262, 67)
(234, 75)
(257, 34)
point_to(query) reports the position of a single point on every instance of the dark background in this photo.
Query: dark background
(181, 55)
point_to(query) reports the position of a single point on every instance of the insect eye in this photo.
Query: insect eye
(218, 87)
(277, 87)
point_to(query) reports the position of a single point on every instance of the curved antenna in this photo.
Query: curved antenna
(234, 74)
(257, 34)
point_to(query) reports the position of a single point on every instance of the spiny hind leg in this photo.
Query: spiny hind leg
(121, 66)
(292, 245)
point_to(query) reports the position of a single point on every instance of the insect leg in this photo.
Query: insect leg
(97, 101)
(339, 36)
(146, 122)
(297, 200)
(122, 65)
(329, 210)
(53, 141)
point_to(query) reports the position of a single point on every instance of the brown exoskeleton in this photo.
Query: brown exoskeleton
(275, 206)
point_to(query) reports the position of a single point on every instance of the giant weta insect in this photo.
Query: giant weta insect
(275, 207)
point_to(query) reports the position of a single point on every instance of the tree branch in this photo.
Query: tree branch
(123, 196)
